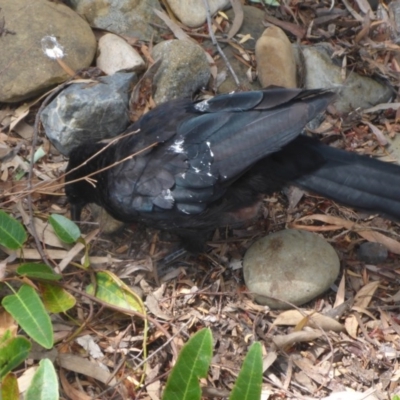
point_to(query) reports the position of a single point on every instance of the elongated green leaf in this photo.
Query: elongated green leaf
(12, 353)
(9, 388)
(12, 233)
(28, 310)
(113, 291)
(193, 363)
(7, 335)
(65, 229)
(38, 270)
(56, 299)
(44, 385)
(249, 381)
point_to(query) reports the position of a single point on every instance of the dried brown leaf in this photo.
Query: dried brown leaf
(294, 29)
(83, 366)
(73, 392)
(364, 295)
(339, 223)
(377, 132)
(341, 293)
(284, 341)
(310, 318)
(78, 247)
(153, 306)
(238, 20)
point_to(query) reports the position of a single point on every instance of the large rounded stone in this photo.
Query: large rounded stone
(125, 17)
(74, 117)
(192, 13)
(354, 91)
(291, 265)
(25, 70)
(276, 63)
(184, 69)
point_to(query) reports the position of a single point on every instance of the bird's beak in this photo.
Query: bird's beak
(76, 210)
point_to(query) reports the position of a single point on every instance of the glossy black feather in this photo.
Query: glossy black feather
(216, 156)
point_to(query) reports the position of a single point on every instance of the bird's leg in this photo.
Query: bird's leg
(76, 210)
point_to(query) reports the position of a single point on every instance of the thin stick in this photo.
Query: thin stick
(215, 43)
(47, 184)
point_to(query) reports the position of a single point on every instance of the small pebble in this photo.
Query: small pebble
(372, 253)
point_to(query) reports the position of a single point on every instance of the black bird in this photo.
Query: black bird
(216, 156)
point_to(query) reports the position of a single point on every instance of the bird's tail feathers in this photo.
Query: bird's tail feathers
(358, 181)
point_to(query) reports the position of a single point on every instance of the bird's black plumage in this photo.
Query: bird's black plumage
(217, 156)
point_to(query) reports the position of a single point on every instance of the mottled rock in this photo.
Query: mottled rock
(354, 91)
(125, 17)
(184, 69)
(192, 13)
(291, 265)
(107, 224)
(372, 253)
(117, 55)
(87, 111)
(25, 70)
(276, 63)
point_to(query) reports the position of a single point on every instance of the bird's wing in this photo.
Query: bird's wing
(203, 147)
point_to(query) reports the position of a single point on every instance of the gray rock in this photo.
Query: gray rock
(192, 13)
(291, 265)
(25, 70)
(183, 70)
(252, 24)
(372, 253)
(87, 111)
(253, 18)
(117, 55)
(355, 91)
(125, 17)
(394, 8)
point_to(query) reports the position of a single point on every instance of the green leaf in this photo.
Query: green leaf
(44, 384)
(112, 290)
(12, 233)
(38, 270)
(9, 388)
(19, 174)
(39, 153)
(13, 352)
(56, 299)
(7, 335)
(65, 229)
(248, 384)
(28, 310)
(192, 364)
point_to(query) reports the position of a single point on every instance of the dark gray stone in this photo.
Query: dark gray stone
(372, 253)
(88, 111)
